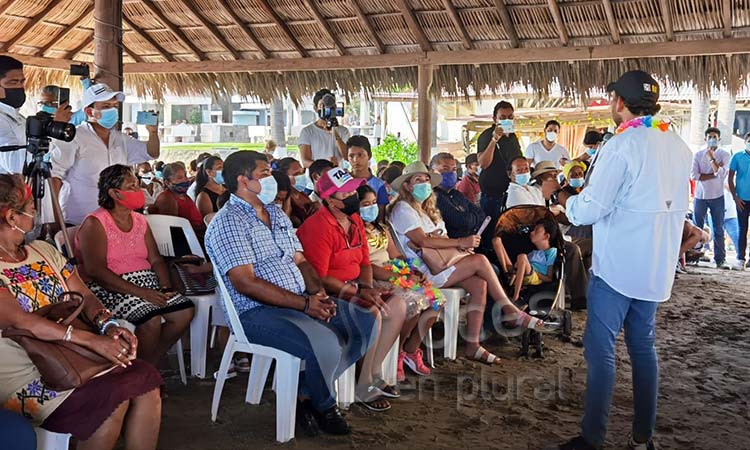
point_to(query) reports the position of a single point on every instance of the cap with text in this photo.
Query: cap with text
(337, 180)
(636, 87)
(100, 92)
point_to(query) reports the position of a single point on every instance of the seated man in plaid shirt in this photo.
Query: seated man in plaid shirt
(278, 295)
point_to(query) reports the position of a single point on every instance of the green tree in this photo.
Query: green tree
(196, 117)
(395, 149)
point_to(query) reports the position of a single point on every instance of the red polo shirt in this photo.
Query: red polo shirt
(329, 250)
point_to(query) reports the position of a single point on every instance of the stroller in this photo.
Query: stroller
(547, 300)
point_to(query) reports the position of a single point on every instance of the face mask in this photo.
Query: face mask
(576, 182)
(713, 143)
(479, 171)
(51, 110)
(392, 193)
(351, 205)
(591, 151)
(159, 174)
(147, 178)
(422, 191)
(109, 118)
(34, 232)
(369, 213)
(180, 188)
(15, 97)
(449, 180)
(523, 178)
(551, 136)
(268, 190)
(219, 177)
(747, 147)
(132, 200)
(300, 182)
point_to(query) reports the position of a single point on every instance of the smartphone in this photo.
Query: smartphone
(147, 118)
(340, 110)
(79, 70)
(507, 125)
(486, 222)
(63, 96)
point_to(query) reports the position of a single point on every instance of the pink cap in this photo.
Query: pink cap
(337, 180)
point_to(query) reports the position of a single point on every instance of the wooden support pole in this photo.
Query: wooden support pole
(108, 43)
(726, 15)
(424, 112)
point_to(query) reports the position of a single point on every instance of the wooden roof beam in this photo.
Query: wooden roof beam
(154, 10)
(132, 54)
(610, 13)
(465, 39)
(72, 54)
(368, 26)
(554, 8)
(413, 25)
(6, 6)
(191, 6)
(320, 20)
(66, 30)
(726, 14)
(284, 28)
(146, 37)
(666, 15)
(29, 25)
(507, 21)
(244, 28)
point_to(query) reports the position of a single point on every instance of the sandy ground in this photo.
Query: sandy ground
(704, 352)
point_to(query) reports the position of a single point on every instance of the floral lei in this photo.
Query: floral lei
(644, 121)
(402, 269)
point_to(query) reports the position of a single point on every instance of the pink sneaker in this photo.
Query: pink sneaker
(416, 364)
(400, 375)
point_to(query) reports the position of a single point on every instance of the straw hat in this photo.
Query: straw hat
(414, 169)
(544, 167)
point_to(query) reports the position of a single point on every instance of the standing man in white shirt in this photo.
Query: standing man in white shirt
(636, 200)
(97, 145)
(710, 168)
(317, 141)
(548, 149)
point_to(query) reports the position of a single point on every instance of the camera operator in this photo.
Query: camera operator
(97, 145)
(317, 140)
(12, 123)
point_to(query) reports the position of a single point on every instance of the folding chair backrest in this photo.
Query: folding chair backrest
(234, 319)
(161, 226)
(60, 240)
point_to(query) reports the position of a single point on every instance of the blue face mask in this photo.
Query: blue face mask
(51, 110)
(479, 171)
(747, 147)
(422, 191)
(576, 182)
(591, 151)
(109, 118)
(713, 142)
(369, 213)
(300, 182)
(268, 190)
(523, 178)
(219, 177)
(449, 180)
(159, 174)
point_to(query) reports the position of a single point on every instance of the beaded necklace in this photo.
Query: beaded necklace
(644, 121)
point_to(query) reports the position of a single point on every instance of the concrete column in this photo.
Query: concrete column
(727, 109)
(699, 110)
(277, 122)
(364, 111)
(434, 126)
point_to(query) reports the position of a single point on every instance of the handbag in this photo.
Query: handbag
(62, 365)
(439, 259)
(189, 283)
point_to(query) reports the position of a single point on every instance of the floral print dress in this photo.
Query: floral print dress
(35, 282)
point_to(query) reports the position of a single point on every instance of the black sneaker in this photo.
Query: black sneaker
(332, 422)
(632, 445)
(306, 419)
(577, 443)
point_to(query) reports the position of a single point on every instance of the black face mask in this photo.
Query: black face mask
(15, 97)
(351, 205)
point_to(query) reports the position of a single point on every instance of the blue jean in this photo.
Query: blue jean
(608, 312)
(731, 227)
(16, 432)
(491, 206)
(716, 206)
(742, 218)
(327, 348)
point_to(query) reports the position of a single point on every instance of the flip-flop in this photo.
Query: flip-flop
(371, 404)
(386, 390)
(484, 356)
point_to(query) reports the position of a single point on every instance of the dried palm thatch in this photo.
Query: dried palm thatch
(157, 31)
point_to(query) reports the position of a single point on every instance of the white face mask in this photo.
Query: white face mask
(551, 136)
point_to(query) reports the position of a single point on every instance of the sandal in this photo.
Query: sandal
(242, 364)
(484, 356)
(526, 321)
(386, 390)
(376, 402)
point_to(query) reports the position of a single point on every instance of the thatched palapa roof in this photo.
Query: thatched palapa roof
(271, 47)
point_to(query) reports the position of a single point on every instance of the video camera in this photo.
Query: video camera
(40, 128)
(330, 111)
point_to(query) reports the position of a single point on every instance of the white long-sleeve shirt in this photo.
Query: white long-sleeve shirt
(636, 201)
(12, 132)
(80, 161)
(713, 188)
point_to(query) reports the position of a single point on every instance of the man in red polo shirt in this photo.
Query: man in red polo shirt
(336, 246)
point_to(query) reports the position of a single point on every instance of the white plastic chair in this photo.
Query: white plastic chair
(390, 365)
(160, 228)
(177, 348)
(449, 316)
(47, 440)
(60, 240)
